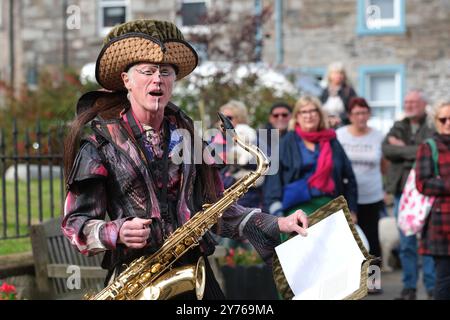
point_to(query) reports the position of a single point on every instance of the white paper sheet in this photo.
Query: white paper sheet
(325, 265)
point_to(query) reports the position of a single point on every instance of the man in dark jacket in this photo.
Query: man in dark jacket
(278, 122)
(279, 117)
(400, 147)
(126, 166)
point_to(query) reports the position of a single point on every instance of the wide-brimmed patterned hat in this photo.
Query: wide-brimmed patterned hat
(143, 41)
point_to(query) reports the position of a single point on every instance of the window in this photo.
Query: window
(111, 13)
(383, 88)
(193, 12)
(381, 17)
(32, 78)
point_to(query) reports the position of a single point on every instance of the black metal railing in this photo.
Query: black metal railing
(31, 174)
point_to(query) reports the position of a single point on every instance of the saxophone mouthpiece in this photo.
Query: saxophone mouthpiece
(226, 124)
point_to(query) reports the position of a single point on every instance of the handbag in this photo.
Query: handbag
(414, 207)
(295, 193)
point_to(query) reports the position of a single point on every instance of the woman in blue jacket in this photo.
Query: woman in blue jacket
(313, 169)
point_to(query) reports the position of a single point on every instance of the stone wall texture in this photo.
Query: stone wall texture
(315, 33)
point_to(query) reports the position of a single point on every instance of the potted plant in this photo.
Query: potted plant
(247, 276)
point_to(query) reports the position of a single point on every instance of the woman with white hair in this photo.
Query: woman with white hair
(336, 96)
(237, 160)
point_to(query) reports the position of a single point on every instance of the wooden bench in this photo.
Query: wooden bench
(53, 257)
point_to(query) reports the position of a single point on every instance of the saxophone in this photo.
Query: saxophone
(153, 277)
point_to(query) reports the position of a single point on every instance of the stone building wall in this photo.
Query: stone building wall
(319, 32)
(316, 32)
(3, 40)
(40, 33)
(6, 67)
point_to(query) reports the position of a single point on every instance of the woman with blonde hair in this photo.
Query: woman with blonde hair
(313, 165)
(336, 96)
(435, 237)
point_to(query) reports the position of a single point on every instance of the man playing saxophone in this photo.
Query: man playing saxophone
(125, 193)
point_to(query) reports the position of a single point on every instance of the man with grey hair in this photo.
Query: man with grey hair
(400, 147)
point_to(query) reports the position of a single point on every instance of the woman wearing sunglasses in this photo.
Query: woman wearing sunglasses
(435, 237)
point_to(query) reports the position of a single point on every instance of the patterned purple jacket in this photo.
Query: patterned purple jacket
(110, 177)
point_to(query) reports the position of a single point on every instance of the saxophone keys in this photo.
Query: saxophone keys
(145, 278)
(179, 249)
(189, 241)
(155, 268)
(168, 256)
(121, 296)
(133, 288)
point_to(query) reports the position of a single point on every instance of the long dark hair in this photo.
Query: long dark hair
(358, 102)
(106, 104)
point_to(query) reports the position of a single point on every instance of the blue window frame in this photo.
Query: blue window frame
(383, 86)
(378, 17)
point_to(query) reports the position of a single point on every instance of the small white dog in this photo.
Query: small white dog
(389, 239)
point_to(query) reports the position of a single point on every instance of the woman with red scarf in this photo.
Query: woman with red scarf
(313, 169)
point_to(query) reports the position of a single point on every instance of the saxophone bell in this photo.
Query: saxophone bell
(177, 281)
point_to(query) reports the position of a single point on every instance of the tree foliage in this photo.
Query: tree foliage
(203, 97)
(51, 101)
(232, 39)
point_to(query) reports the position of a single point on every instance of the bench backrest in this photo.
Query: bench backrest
(57, 262)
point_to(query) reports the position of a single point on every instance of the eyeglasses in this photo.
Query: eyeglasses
(280, 115)
(150, 71)
(311, 112)
(444, 120)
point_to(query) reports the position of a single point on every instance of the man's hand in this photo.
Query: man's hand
(292, 223)
(134, 233)
(396, 142)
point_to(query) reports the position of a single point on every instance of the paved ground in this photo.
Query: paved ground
(391, 283)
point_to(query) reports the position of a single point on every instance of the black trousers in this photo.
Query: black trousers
(442, 286)
(368, 216)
